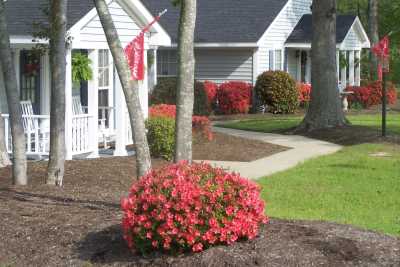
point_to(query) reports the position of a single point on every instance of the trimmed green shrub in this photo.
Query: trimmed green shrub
(278, 91)
(161, 137)
(165, 93)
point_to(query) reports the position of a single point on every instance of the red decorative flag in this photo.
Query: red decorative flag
(134, 52)
(382, 52)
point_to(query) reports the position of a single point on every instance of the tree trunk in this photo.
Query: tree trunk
(185, 90)
(10, 83)
(58, 23)
(130, 88)
(4, 159)
(373, 25)
(325, 110)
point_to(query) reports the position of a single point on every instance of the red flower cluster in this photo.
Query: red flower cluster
(191, 207)
(371, 94)
(211, 91)
(234, 97)
(201, 124)
(304, 90)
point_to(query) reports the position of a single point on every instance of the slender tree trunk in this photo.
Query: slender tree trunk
(4, 159)
(130, 88)
(325, 110)
(58, 23)
(185, 90)
(10, 83)
(373, 25)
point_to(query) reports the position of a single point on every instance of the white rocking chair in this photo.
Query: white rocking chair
(40, 140)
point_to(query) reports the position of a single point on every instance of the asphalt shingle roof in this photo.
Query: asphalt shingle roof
(222, 21)
(22, 14)
(218, 21)
(302, 33)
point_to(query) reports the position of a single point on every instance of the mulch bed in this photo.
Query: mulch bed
(230, 148)
(79, 225)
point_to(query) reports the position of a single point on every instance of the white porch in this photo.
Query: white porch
(348, 66)
(95, 110)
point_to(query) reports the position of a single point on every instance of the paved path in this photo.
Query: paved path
(303, 148)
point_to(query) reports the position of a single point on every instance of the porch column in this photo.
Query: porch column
(93, 104)
(298, 73)
(68, 105)
(120, 119)
(308, 67)
(343, 71)
(144, 89)
(351, 68)
(45, 88)
(358, 68)
(17, 62)
(338, 65)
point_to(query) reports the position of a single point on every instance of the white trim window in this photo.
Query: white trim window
(104, 70)
(276, 59)
(167, 63)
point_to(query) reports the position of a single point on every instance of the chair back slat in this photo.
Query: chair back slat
(29, 124)
(77, 108)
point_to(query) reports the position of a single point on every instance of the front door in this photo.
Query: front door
(30, 79)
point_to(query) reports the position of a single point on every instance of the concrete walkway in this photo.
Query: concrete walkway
(303, 148)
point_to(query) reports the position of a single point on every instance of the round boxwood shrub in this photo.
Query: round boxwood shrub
(161, 136)
(278, 91)
(165, 93)
(185, 207)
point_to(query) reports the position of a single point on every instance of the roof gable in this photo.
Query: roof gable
(22, 14)
(222, 21)
(302, 33)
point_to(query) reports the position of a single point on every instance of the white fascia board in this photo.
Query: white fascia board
(306, 45)
(222, 45)
(26, 40)
(357, 26)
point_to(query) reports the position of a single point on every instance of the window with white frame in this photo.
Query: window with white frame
(275, 59)
(278, 59)
(167, 63)
(104, 70)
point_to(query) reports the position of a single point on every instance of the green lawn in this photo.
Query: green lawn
(279, 123)
(350, 187)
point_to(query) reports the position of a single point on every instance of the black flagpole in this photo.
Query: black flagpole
(384, 101)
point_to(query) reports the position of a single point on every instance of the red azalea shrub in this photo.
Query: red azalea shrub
(201, 124)
(234, 97)
(191, 207)
(371, 94)
(211, 89)
(304, 90)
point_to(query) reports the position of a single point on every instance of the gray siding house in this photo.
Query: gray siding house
(238, 40)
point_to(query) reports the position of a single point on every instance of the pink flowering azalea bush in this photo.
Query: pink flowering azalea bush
(186, 207)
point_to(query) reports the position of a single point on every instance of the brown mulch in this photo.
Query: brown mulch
(79, 225)
(230, 148)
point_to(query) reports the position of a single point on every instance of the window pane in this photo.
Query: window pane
(278, 59)
(271, 60)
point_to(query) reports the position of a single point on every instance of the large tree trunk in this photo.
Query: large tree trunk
(4, 159)
(58, 23)
(10, 83)
(185, 90)
(325, 110)
(130, 88)
(373, 25)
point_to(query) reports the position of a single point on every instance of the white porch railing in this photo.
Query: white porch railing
(80, 134)
(37, 133)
